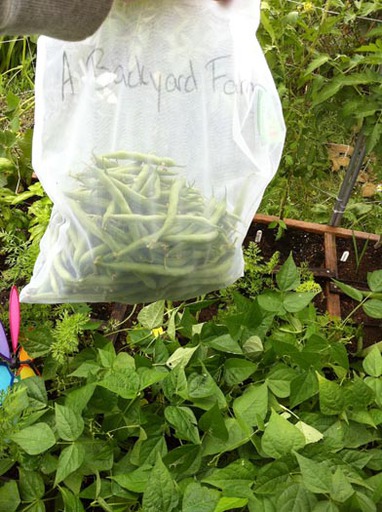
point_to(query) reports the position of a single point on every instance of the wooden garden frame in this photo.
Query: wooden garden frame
(330, 234)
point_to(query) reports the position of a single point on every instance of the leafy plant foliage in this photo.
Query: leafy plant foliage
(260, 410)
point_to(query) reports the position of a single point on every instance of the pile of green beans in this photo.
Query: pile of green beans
(138, 232)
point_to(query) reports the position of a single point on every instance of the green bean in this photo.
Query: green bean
(141, 157)
(152, 187)
(103, 162)
(138, 201)
(90, 256)
(137, 217)
(90, 226)
(199, 238)
(172, 205)
(149, 281)
(142, 177)
(147, 268)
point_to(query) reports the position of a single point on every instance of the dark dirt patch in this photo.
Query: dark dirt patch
(305, 247)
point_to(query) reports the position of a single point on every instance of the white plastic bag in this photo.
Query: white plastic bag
(155, 139)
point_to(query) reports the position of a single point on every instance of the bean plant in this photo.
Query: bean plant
(263, 409)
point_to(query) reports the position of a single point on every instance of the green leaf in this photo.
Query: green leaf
(356, 435)
(253, 345)
(325, 506)
(296, 498)
(316, 63)
(106, 357)
(37, 506)
(123, 361)
(175, 384)
(78, 399)
(341, 487)
(252, 405)
(261, 504)
(124, 384)
(145, 451)
(271, 301)
(281, 437)
(38, 397)
(226, 503)
(373, 308)
(234, 479)
(31, 485)
(311, 434)
(184, 421)
(356, 458)
(86, 369)
(198, 498)
(374, 136)
(362, 503)
(374, 280)
(358, 395)
(297, 301)
(316, 476)
(339, 355)
(72, 503)
(161, 494)
(331, 396)
(17, 401)
(237, 370)
(372, 364)
(349, 290)
(35, 439)
(279, 378)
(272, 478)
(70, 424)
(376, 415)
(303, 387)
(9, 497)
(201, 386)
(224, 343)
(136, 480)
(150, 376)
(212, 422)
(237, 436)
(181, 357)
(70, 459)
(184, 460)
(340, 81)
(48, 463)
(288, 277)
(375, 482)
(74, 481)
(363, 417)
(151, 316)
(268, 26)
(98, 456)
(375, 383)
(5, 465)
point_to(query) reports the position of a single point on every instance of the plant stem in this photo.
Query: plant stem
(356, 309)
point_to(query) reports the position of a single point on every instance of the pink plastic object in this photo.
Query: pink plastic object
(14, 317)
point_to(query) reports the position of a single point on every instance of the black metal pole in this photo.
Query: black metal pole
(349, 180)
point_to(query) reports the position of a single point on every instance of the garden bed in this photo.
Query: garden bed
(330, 253)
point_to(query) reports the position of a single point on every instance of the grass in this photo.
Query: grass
(313, 201)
